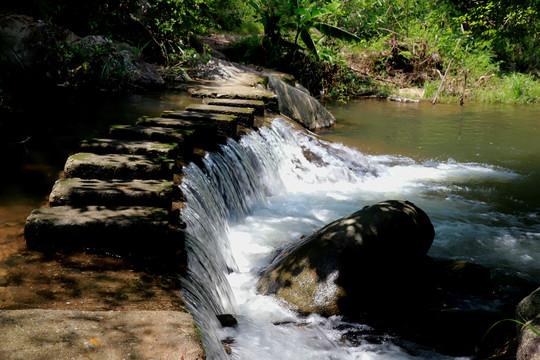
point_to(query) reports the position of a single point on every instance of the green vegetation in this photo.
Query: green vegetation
(486, 46)
(474, 50)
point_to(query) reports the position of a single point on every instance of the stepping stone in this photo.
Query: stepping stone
(244, 115)
(216, 90)
(205, 131)
(82, 192)
(257, 105)
(226, 124)
(137, 147)
(117, 166)
(119, 230)
(184, 138)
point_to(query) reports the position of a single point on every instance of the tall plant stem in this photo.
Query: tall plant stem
(445, 74)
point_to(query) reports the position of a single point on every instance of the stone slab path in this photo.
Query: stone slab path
(119, 196)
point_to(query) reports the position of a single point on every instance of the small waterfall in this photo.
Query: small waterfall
(260, 194)
(228, 186)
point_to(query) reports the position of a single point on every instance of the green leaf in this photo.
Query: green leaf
(335, 32)
(301, 11)
(255, 6)
(308, 40)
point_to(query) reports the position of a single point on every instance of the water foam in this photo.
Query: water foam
(287, 183)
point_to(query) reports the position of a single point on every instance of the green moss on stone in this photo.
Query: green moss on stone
(82, 156)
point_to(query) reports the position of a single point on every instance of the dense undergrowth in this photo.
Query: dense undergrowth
(472, 50)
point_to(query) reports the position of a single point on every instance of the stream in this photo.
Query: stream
(474, 170)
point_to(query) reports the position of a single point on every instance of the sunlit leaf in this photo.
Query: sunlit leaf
(335, 32)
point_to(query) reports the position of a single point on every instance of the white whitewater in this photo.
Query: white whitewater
(273, 186)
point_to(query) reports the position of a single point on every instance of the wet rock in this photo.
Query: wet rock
(528, 311)
(372, 267)
(529, 341)
(299, 106)
(227, 320)
(356, 263)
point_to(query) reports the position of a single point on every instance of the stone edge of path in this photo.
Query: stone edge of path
(96, 335)
(38, 333)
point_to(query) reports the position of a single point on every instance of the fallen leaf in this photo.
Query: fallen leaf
(94, 341)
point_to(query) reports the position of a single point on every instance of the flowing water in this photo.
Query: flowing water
(475, 171)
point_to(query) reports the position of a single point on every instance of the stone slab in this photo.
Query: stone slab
(227, 90)
(226, 124)
(117, 166)
(257, 105)
(206, 131)
(244, 115)
(183, 137)
(80, 192)
(98, 335)
(121, 230)
(137, 147)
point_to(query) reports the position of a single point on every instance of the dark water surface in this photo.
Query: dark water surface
(36, 142)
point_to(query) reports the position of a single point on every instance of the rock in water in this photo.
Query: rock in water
(299, 106)
(357, 263)
(528, 311)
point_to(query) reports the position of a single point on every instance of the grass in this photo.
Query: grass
(512, 89)
(515, 88)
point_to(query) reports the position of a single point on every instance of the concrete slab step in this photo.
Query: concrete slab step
(233, 91)
(183, 137)
(136, 147)
(257, 105)
(245, 116)
(206, 131)
(126, 231)
(118, 166)
(82, 192)
(226, 124)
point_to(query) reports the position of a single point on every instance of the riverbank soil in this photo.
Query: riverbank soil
(85, 306)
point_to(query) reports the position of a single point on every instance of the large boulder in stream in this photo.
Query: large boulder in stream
(372, 267)
(356, 263)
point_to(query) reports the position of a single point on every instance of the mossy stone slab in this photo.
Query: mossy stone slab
(111, 230)
(117, 166)
(136, 147)
(82, 192)
(257, 105)
(205, 131)
(234, 91)
(225, 124)
(183, 137)
(244, 115)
